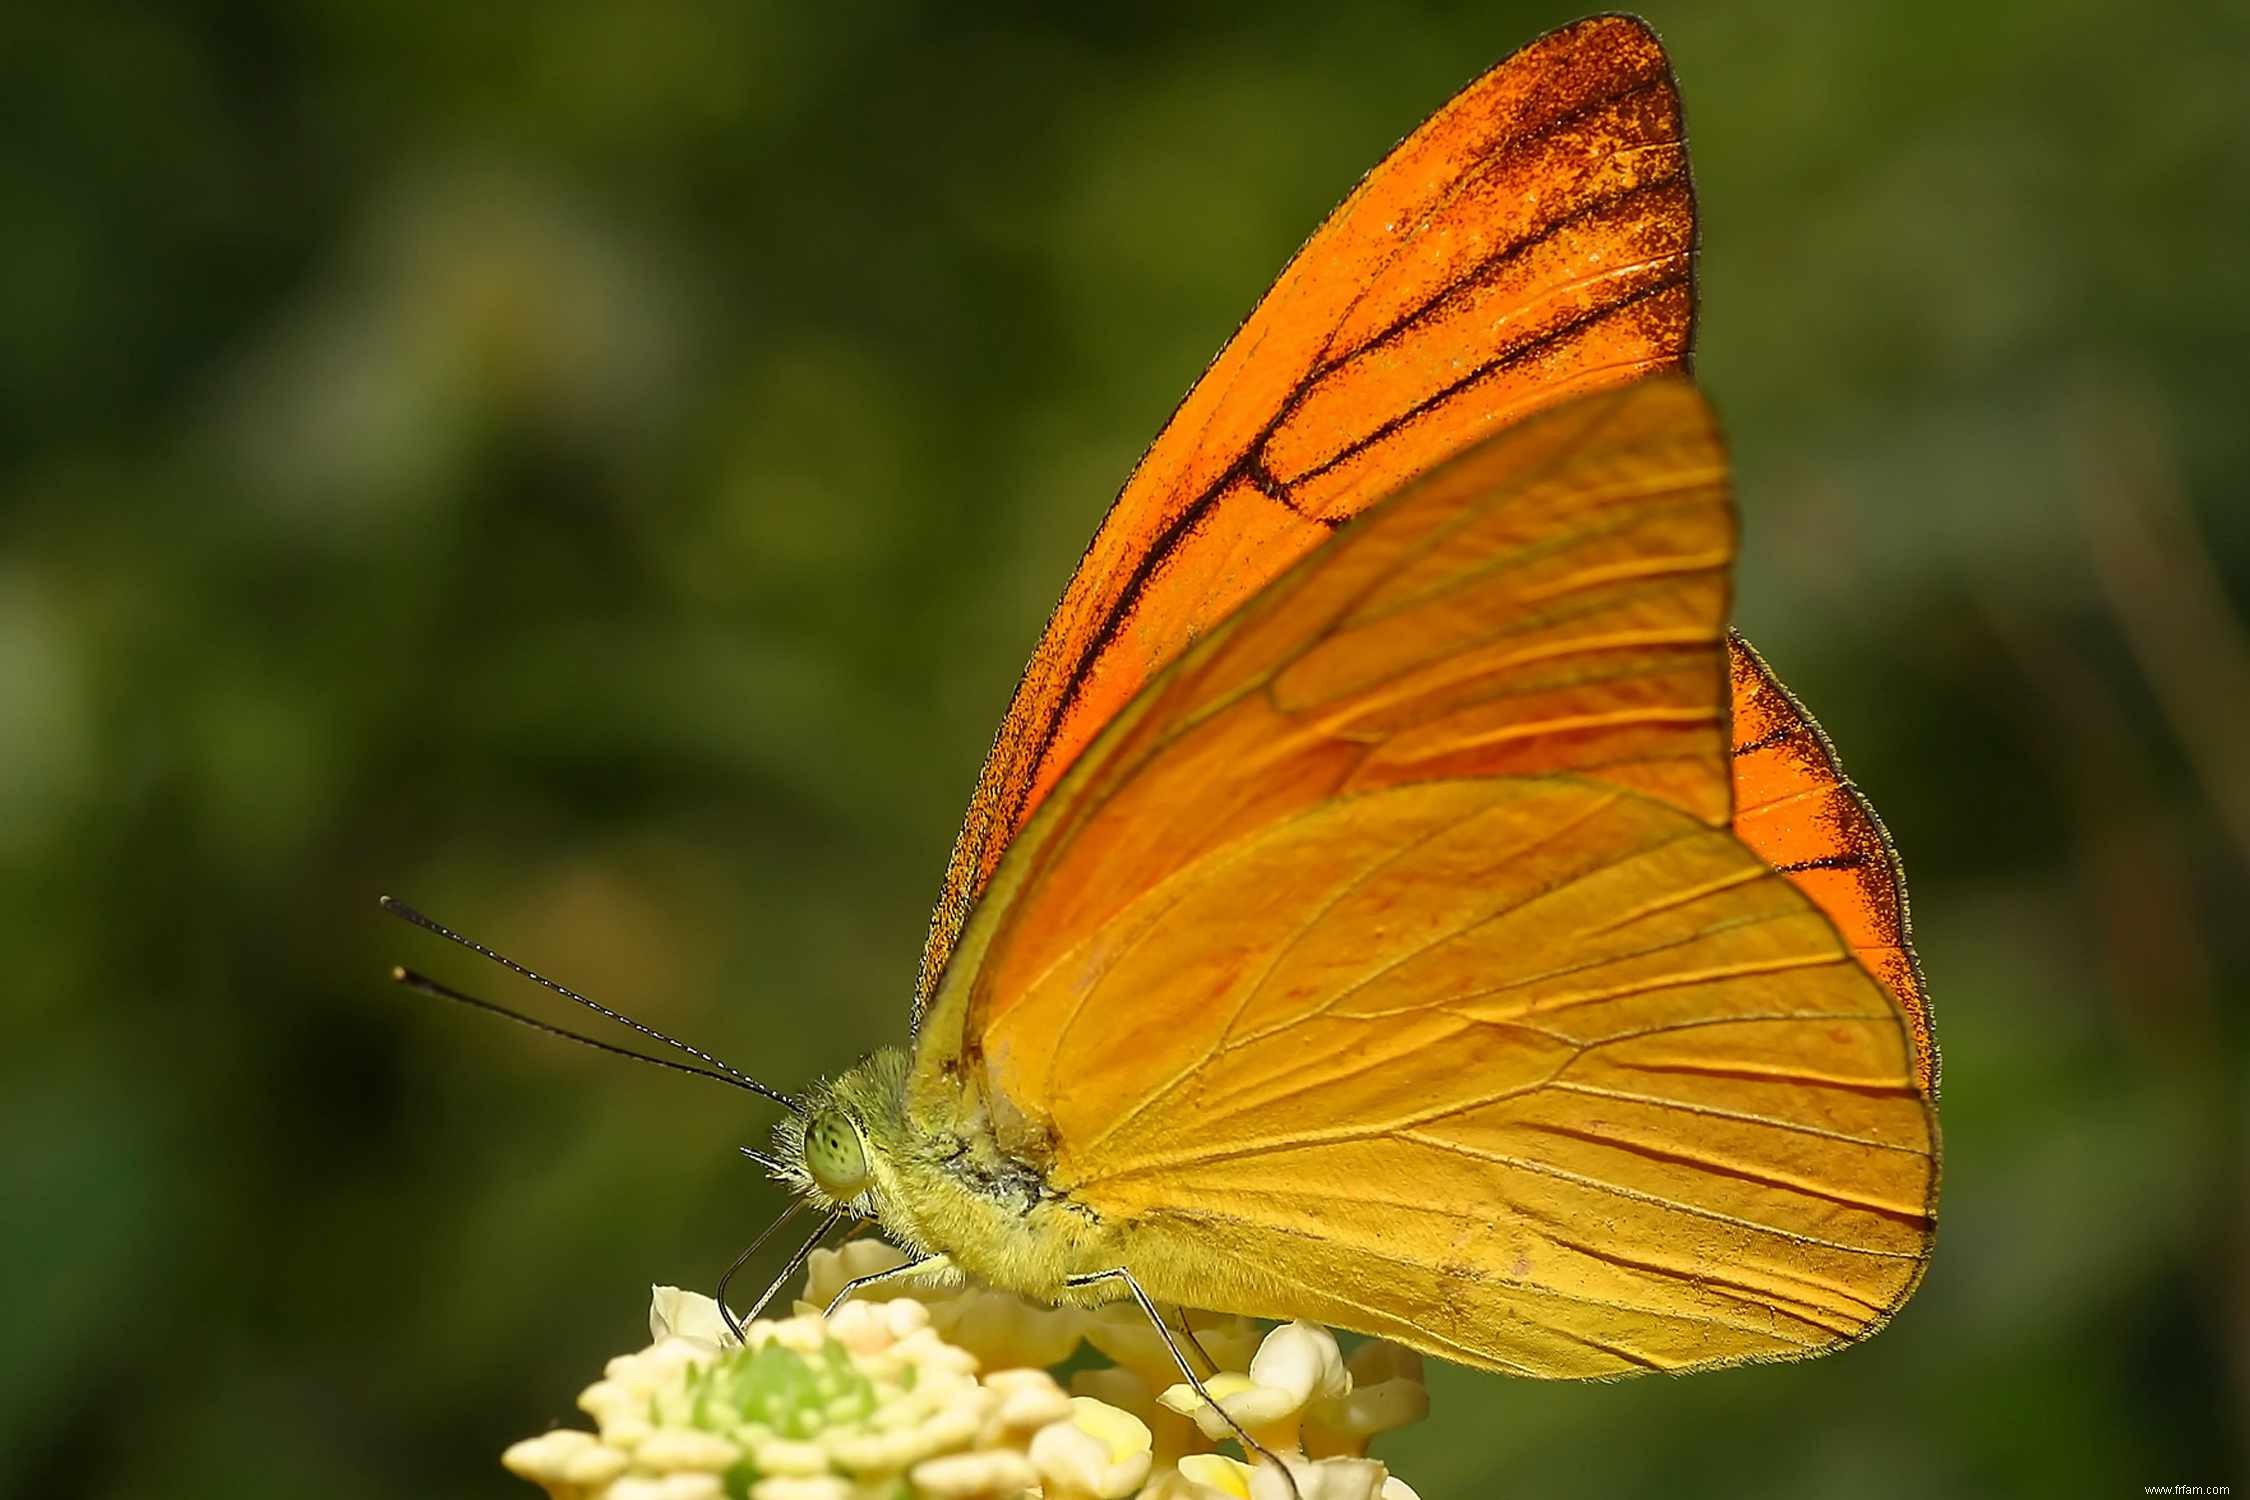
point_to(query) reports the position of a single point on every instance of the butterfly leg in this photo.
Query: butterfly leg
(1195, 1381)
(790, 1267)
(1187, 1332)
(928, 1265)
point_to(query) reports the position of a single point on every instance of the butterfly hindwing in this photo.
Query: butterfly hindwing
(1796, 808)
(1393, 943)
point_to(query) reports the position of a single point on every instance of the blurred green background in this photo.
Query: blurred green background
(597, 470)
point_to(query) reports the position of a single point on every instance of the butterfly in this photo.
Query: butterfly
(1394, 897)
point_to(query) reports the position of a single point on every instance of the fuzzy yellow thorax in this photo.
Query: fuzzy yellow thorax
(942, 1184)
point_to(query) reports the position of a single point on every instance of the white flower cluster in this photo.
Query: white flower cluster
(885, 1400)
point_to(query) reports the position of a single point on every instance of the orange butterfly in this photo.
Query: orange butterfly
(1364, 913)
(1394, 897)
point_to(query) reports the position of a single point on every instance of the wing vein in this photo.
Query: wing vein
(1654, 1200)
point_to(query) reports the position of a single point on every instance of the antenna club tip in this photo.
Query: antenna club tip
(399, 974)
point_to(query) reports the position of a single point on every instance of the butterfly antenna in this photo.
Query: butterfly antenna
(423, 984)
(741, 1079)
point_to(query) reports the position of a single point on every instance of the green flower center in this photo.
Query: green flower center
(785, 1393)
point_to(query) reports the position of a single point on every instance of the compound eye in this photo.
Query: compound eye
(834, 1156)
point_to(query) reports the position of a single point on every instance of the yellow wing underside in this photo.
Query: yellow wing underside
(1544, 1075)
(1389, 960)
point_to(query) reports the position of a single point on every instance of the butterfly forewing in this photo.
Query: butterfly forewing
(1531, 240)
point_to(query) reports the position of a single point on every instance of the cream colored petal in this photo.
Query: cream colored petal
(1395, 1488)
(1171, 1433)
(904, 1317)
(690, 1315)
(1124, 1334)
(542, 1459)
(1303, 1360)
(801, 1335)
(670, 1487)
(1123, 1433)
(684, 1448)
(1171, 1484)
(903, 1409)
(1259, 1408)
(662, 1362)
(828, 1487)
(1328, 1479)
(1000, 1475)
(877, 1453)
(625, 1429)
(827, 1271)
(1078, 1462)
(1230, 1341)
(1029, 1400)
(957, 1423)
(932, 1355)
(1221, 1388)
(1215, 1474)
(595, 1466)
(1004, 1330)
(1378, 1360)
(789, 1456)
(1010, 1382)
(862, 1328)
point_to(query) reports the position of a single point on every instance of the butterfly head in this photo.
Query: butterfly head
(836, 1151)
